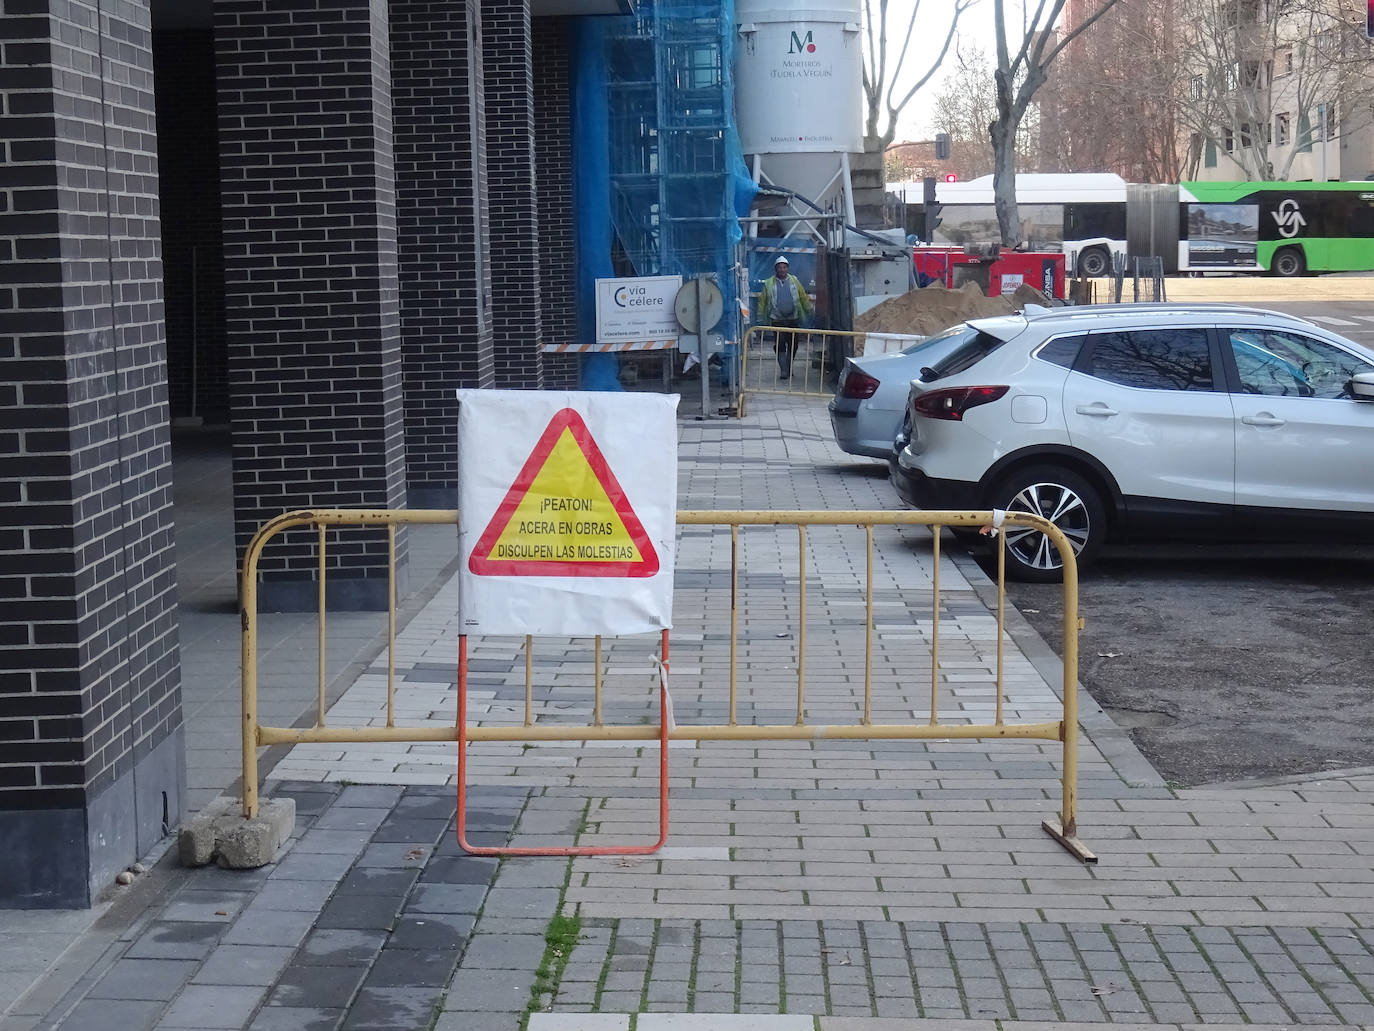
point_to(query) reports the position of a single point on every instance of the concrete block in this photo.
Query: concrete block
(219, 833)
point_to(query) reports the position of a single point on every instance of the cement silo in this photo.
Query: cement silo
(799, 96)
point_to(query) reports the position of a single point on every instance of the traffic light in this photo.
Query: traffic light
(931, 207)
(942, 138)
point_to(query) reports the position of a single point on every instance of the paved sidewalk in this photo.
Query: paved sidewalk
(840, 886)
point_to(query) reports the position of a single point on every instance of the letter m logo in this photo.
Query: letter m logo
(801, 44)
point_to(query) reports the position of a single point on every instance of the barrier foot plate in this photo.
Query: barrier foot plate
(1080, 851)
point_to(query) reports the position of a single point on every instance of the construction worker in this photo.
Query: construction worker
(783, 302)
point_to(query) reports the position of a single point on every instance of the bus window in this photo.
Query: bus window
(1042, 225)
(1089, 221)
(963, 224)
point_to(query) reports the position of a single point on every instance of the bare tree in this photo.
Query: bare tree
(964, 108)
(1267, 83)
(882, 99)
(1016, 78)
(1128, 66)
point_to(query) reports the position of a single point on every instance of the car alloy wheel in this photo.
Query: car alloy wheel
(1065, 499)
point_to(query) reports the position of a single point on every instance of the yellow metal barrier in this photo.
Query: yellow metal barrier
(815, 357)
(1064, 730)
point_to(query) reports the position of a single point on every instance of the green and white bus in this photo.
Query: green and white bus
(1286, 229)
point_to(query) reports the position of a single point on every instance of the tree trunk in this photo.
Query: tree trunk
(1004, 182)
(1003, 133)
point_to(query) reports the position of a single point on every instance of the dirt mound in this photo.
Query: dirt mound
(930, 309)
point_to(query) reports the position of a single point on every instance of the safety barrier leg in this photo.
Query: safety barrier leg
(561, 850)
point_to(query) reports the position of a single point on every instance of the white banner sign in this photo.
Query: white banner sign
(636, 309)
(567, 512)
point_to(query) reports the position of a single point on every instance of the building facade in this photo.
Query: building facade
(310, 220)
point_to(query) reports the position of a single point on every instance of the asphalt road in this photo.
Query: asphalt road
(1227, 663)
(1232, 662)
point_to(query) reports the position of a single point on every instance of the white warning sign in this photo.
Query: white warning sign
(567, 511)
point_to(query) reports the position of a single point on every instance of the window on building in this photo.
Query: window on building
(1285, 61)
(1228, 140)
(1283, 129)
(1304, 133)
(1199, 87)
(1209, 154)
(1245, 140)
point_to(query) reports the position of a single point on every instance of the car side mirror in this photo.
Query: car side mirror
(1361, 386)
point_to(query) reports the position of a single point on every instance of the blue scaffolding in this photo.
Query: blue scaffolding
(660, 182)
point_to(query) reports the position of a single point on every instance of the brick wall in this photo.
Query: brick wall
(509, 89)
(192, 241)
(553, 171)
(443, 230)
(313, 318)
(89, 673)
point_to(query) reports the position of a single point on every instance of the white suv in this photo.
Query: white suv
(1131, 422)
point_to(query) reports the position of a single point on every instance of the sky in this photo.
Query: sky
(975, 28)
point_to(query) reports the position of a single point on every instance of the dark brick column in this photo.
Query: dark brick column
(554, 222)
(310, 282)
(91, 751)
(509, 87)
(443, 231)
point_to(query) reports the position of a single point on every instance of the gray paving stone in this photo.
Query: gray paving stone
(213, 1006)
(156, 980)
(361, 912)
(797, 1003)
(505, 951)
(367, 796)
(1173, 1012)
(287, 1018)
(244, 965)
(625, 981)
(720, 1002)
(176, 940)
(312, 866)
(575, 993)
(431, 932)
(500, 991)
(105, 1014)
(378, 1008)
(619, 1002)
(408, 968)
(310, 986)
(1213, 1004)
(340, 947)
(939, 998)
(484, 1021)
(307, 896)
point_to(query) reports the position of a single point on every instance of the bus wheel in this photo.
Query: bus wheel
(1093, 262)
(1288, 262)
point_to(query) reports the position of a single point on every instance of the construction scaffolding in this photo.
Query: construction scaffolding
(678, 183)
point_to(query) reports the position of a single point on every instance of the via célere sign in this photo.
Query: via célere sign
(567, 512)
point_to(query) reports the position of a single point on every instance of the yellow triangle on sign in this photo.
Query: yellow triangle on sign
(565, 515)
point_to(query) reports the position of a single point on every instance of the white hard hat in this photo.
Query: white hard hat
(781, 259)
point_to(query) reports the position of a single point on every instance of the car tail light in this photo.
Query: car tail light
(952, 402)
(858, 384)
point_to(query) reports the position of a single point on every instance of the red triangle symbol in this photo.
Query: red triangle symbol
(565, 515)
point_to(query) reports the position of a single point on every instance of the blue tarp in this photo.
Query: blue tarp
(659, 180)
